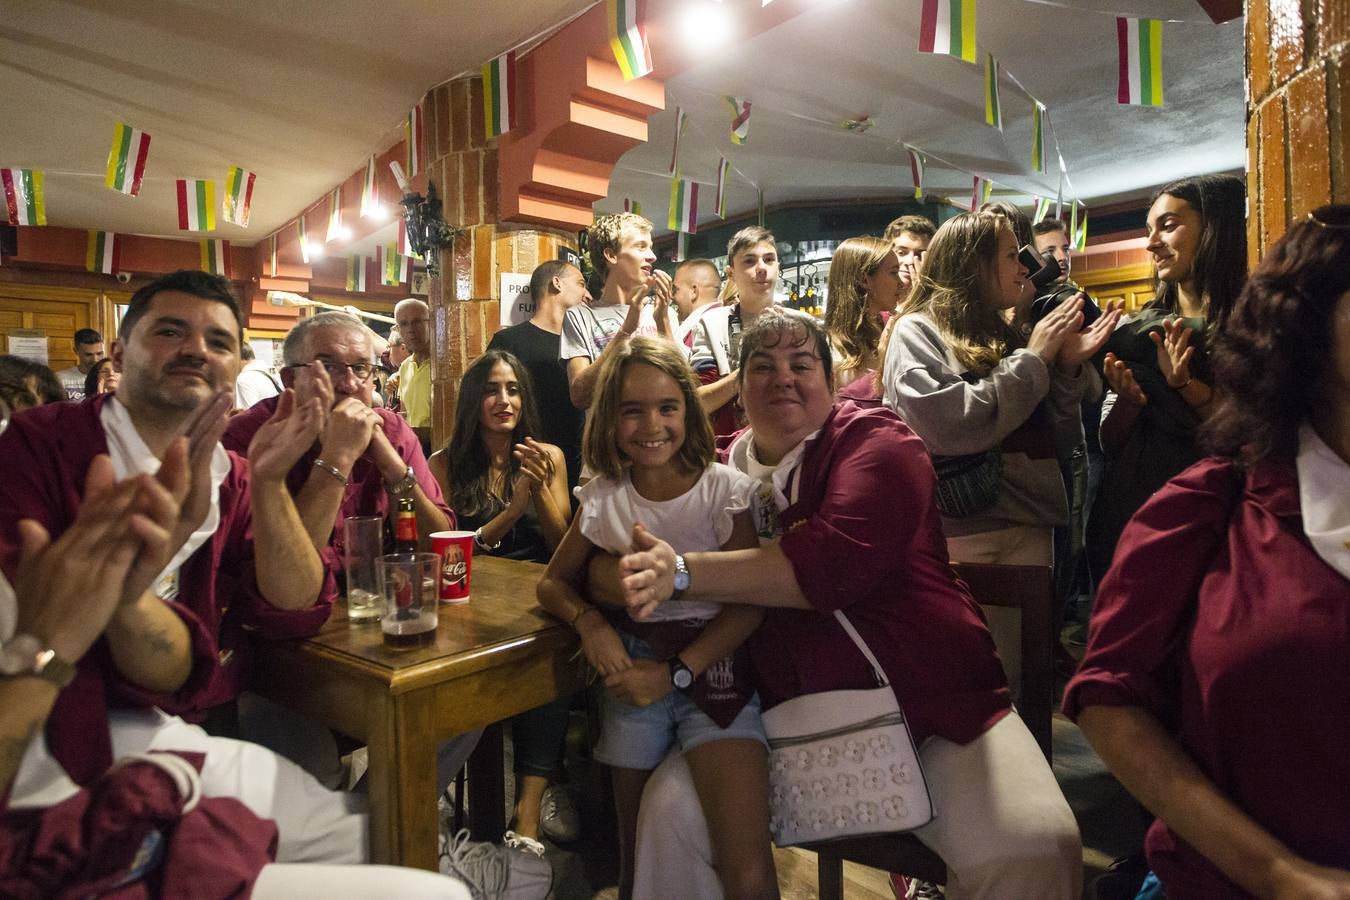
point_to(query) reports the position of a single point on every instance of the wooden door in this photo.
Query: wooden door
(1132, 284)
(57, 312)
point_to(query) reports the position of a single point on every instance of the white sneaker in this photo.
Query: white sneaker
(521, 842)
(559, 819)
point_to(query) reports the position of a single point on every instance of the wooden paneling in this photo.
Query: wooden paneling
(1133, 284)
(59, 312)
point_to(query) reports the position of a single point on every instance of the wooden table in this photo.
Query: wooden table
(496, 656)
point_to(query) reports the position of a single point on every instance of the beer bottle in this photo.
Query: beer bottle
(405, 526)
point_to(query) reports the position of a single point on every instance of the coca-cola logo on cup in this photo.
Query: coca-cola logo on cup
(454, 570)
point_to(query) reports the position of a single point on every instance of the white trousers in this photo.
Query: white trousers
(1002, 826)
(314, 824)
(286, 882)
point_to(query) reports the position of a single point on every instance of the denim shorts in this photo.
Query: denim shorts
(639, 737)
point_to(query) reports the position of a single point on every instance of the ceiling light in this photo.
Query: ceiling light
(316, 250)
(705, 24)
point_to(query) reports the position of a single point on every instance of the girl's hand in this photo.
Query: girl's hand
(602, 645)
(1174, 352)
(1051, 332)
(1121, 380)
(1080, 346)
(647, 574)
(1301, 880)
(641, 684)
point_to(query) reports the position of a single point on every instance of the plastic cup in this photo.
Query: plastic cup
(411, 585)
(363, 542)
(455, 548)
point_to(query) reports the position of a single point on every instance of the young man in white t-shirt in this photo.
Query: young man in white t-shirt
(620, 248)
(752, 264)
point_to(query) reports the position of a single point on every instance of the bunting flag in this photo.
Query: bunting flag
(103, 253)
(1078, 228)
(1038, 135)
(740, 118)
(723, 169)
(196, 204)
(334, 215)
(393, 265)
(1140, 43)
(356, 274)
(1042, 210)
(681, 123)
(993, 111)
(916, 171)
(272, 255)
(628, 39)
(370, 192)
(980, 191)
(303, 238)
(681, 246)
(412, 139)
(1059, 197)
(632, 206)
(404, 243)
(215, 256)
(760, 221)
(126, 159)
(499, 94)
(948, 27)
(238, 199)
(25, 197)
(683, 205)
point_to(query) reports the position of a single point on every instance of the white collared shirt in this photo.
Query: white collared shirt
(1324, 499)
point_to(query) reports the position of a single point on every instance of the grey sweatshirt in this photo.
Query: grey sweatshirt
(921, 381)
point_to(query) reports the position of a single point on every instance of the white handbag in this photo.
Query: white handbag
(842, 764)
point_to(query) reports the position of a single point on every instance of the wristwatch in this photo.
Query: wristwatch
(681, 577)
(24, 655)
(681, 676)
(404, 484)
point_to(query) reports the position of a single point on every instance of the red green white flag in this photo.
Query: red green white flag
(1042, 209)
(356, 274)
(916, 171)
(683, 205)
(1140, 45)
(723, 169)
(370, 192)
(334, 215)
(196, 204)
(628, 38)
(103, 252)
(948, 27)
(412, 138)
(993, 110)
(681, 246)
(272, 255)
(393, 266)
(740, 118)
(981, 189)
(681, 123)
(238, 198)
(632, 206)
(215, 257)
(126, 159)
(25, 197)
(499, 94)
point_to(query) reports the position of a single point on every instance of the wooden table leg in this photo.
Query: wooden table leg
(403, 790)
(487, 787)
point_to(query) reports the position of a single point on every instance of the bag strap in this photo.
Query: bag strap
(882, 680)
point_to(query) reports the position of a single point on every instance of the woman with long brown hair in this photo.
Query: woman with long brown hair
(864, 284)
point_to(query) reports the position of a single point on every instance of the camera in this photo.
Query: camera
(1044, 268)
(122, 277)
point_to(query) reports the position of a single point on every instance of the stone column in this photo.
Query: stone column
(462, 162)
(1298, 124)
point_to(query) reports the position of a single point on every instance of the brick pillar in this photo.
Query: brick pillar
(1298, 124)
(464, 298)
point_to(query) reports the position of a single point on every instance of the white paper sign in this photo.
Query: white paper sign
(517, 306)
(30, 345)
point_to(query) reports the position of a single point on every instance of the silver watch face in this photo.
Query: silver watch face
(19, 655)
(681, 581)
(682, 678)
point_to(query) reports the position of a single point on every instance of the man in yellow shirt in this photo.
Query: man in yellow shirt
(414, 375)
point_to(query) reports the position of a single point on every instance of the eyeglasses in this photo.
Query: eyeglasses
(1335, 215)
(337, 370)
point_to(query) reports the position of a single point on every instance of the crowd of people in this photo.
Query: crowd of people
(728, 495)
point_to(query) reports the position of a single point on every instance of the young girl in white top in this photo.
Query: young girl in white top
(676, 678)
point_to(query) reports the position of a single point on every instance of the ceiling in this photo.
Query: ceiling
(301, 97)
(851, 58)
(299, 92)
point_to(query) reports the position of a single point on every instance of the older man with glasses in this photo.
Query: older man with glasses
(365, 459)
